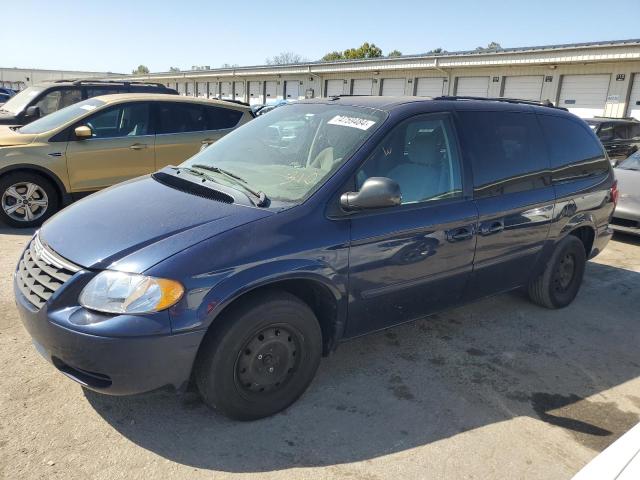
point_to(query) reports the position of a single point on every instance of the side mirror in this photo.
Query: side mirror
(376, 192)
(83, 132)
(32, 112)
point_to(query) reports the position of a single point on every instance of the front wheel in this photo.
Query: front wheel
(558, 285)
(26, 199)
(261, 358)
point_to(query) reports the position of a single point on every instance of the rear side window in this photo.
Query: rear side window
(181, 118)
(573, 149)
(97, 91)
(219, 118)
(507, 152)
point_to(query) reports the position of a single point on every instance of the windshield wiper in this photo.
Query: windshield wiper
(261, 198)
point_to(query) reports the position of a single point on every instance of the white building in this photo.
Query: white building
(19, 78)
(597, 78)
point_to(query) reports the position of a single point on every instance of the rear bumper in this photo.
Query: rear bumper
(602, 237)
(115, 366)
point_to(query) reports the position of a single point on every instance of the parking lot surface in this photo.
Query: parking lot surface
(497, 389)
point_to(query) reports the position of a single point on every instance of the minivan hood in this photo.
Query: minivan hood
(10, 138)
(136, 224)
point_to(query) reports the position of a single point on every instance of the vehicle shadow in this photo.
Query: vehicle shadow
(422, 382)
(7, 230)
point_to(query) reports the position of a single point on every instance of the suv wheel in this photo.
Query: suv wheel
(26, 199)
(559, 283)
(262, 357)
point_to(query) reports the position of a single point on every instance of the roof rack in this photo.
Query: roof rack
(633, 119)
(77, 81)
(545, 103)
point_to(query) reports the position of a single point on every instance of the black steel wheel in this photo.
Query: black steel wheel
(260, 357)
(560, 281)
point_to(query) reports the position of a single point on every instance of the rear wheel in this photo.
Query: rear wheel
(558, 285)
(262, 357)
(26, 199)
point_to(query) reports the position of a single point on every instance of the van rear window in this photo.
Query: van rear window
(573, 148)
(507, 151)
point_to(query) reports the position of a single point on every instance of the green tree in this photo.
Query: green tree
(436, 51)
(366, 50)
(141, 70)
(333, 56)
(174, 69)
(394, 53)
(492, 47)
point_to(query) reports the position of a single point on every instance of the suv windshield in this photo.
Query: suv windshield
(19, 101)
(61, 116)
(631, 163)
(289, 152)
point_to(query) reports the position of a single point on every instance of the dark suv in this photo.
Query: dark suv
(319, 222)
(43, 99)
(620, 136)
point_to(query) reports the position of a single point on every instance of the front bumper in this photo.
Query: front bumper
(111, 365)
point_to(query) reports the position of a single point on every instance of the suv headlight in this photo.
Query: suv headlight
(119, 292)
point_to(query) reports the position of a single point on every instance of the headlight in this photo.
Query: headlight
(119, 292)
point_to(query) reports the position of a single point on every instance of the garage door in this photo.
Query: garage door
(225, 90)
(214, 91)
(181, 88)
(393, 87)
(634, 99)
(191, 86)
(255, 93)
(429, 87)
(202, 89)
(526, 87)
(292, 89)
(472, 86)
(584, 95)
(362, 86)
(270, 91)
(239, 90)
(334, 87)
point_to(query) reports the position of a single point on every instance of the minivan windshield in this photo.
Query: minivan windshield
(20, 100)
(62, 116)
(289, 152)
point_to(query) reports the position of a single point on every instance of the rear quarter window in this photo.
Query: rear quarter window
(574, 150)
(219, 118)
(507, 152)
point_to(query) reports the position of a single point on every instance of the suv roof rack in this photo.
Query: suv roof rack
(545, 103)
(631, 119)
(78, 81)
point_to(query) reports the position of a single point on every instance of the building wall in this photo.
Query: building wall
(619, 60)
(20, 78)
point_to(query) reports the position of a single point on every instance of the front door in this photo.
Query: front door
(122, 147)
(413, 259)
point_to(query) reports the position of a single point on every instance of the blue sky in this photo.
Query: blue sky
(119, 35)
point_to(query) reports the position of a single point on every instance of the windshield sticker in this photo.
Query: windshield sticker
(352, 122)
(88, 107)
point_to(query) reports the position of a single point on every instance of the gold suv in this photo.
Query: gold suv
(99, 142)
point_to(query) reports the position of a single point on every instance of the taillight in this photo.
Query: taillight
(614, 192)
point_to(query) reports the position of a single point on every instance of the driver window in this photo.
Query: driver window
(121, 121)
(420, 155)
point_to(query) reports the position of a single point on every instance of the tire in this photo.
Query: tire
(271, 330)
(558, 285)
(42, 202)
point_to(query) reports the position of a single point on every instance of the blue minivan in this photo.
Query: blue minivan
(316, 223)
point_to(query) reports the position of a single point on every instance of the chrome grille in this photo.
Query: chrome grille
(41, 272)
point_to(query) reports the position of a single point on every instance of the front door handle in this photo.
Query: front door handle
(207, 141)
(491, 228)
(138, 146)
(460, 234)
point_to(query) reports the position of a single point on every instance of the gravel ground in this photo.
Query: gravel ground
(497, 389)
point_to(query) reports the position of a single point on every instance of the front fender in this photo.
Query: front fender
(206, 304)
